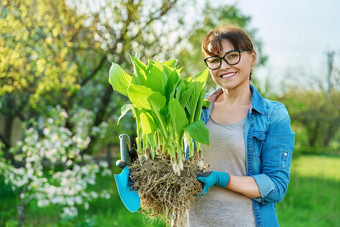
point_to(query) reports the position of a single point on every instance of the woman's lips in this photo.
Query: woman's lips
(228, 75)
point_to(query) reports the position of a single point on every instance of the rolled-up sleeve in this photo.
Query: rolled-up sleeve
(276, 157)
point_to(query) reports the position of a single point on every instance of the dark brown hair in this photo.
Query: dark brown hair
(239, 38)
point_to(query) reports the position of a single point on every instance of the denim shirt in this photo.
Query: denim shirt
(269, 143)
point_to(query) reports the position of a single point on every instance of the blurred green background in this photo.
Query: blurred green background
(57, 54)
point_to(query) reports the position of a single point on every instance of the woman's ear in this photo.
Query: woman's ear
(254, 58)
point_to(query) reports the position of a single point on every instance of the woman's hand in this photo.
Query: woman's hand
(213, 178)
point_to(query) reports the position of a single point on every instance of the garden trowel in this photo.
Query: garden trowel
(128, 196)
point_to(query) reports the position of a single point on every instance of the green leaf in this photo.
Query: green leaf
(185, 92)
(135, 80)
(171, 63)
(168, 70)
(150, 64)
(198, 84)
(140, 69)
(143, 97)
(157, 79)
(199, 106)
(139, 63)
(119, 79)
(124, 110)
(171, 84)
(193, 99)
(202, 77)
(206, 103)
(178, 116)
(198, 132)
(147, 122)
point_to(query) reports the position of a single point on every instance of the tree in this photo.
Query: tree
(41, 45)
(333, 80)
(313, 111)
(58, 53)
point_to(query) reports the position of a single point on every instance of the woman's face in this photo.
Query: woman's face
(233, 76)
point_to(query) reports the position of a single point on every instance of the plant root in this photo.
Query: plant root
(163, 193)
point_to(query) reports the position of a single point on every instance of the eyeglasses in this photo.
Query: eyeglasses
(232, 57)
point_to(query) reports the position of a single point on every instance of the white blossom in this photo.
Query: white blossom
(69, 211)
(65, 188)
(94, 195)
(106, 172)
(64, 114)
(105, 194)
(46, 131)
(103, 164)
(78, 200)
(43, 203)
(70, 201)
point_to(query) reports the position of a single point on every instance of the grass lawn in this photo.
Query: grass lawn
(313, 199)
(313, 196)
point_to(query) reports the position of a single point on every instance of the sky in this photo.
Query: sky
(296, 35)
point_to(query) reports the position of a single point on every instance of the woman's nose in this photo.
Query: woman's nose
(224, 64)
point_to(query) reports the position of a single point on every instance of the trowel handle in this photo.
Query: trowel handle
(125, 145)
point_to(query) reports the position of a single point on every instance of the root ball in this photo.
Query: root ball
(163, 193)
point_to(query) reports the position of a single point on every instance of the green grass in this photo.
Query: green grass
(313, 196)
(317, 166)
(313, 199)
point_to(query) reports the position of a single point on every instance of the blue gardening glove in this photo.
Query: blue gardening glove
(211, 178)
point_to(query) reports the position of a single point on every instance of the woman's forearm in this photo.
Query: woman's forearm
(245, 185)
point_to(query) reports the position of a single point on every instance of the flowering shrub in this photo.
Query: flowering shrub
(50, 166)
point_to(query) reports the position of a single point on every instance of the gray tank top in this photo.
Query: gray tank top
(221, 207)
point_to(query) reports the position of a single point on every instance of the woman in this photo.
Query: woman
(251, 141)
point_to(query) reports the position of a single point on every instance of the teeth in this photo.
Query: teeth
(228, 75)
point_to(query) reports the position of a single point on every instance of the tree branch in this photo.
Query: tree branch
(94, 72)
(100, 115)
(162, 12)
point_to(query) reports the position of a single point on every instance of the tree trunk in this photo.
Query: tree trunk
(8, 123)
(100, 115)
(21, 211)
(109, 156)
(331, 132)
(313, 134)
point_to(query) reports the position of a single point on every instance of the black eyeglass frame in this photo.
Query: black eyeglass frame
(223, 58)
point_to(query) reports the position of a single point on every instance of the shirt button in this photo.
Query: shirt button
(285, 154)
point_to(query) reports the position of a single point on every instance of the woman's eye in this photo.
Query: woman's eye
(232, 56)
(214, 60)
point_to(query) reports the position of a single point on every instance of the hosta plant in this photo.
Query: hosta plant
(167, 108)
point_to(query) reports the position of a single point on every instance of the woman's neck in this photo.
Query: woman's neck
(237, 96)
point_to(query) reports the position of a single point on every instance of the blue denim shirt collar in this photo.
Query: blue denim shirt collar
(257, 100)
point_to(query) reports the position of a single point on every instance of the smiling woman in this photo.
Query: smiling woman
(250, 139)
